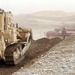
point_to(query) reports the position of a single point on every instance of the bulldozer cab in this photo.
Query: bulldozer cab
(5, 20)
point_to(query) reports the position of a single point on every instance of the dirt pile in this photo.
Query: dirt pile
(41, 46)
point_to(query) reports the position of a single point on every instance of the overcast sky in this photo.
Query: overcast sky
(29, 6)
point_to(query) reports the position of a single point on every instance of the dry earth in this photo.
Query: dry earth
(36, 49)
(59, 60)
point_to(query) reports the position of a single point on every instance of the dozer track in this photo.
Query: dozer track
(9, 53)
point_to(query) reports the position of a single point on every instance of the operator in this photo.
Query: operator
(63, 33)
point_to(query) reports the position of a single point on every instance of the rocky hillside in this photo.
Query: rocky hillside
(48, 13)
(43, 17)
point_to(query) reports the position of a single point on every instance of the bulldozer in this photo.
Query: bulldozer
(14, 40)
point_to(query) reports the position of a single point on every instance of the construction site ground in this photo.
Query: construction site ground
(36, 49)
(46, 57)
(59, 60)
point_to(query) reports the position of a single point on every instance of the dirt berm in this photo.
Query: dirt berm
(41, 46)
(37, 48)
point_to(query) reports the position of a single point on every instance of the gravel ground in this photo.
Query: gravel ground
(59, 60)
(36, 49)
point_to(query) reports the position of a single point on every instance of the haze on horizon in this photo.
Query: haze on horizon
(30, 6)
